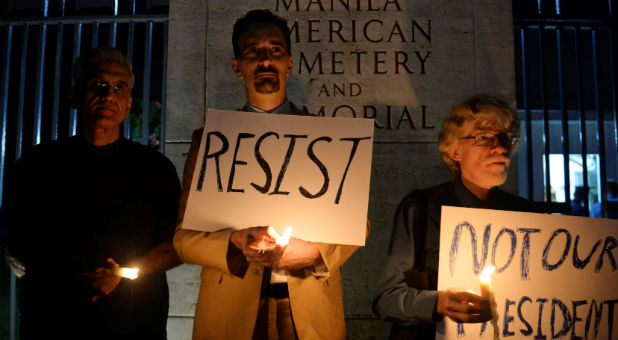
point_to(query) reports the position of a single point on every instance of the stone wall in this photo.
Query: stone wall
(403, 63)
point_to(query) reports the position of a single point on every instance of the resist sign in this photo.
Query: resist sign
(260, 169)
(555, 275)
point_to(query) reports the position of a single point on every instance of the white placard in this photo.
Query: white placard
(556, 275)
(306, 172)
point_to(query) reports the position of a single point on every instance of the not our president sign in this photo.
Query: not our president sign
(555, 275)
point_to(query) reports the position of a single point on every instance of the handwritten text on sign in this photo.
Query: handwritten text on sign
(555, 275)
(310, 173)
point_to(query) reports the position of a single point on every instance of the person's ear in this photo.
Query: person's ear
(236, 67)
(455, 152)
(290, 64)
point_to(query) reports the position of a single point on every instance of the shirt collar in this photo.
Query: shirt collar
(466, 197)
(285, 107)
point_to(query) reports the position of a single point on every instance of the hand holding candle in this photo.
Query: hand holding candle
(126, 272)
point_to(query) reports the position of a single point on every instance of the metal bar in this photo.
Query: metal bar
(38, 95)
(600, 123)
(113, 30)
(95, 35)
(58, 70)
(146, 85)
(545, 118)
(565, 121)
(77, 43)
(528, 128)
(613, 79)
(582, 110)
(130, 33)
(164, 87)
(6, 70)
(614, 92)
(86, 20)
(22, 88)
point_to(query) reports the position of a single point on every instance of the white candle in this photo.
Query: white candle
(487, 292)
(129, 273)
(485, 278)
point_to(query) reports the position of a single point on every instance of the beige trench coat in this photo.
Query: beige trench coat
(227, 304)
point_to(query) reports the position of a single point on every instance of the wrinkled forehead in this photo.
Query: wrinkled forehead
(109, 69)
(261, 31)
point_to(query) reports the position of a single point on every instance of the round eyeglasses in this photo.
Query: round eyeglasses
(98, 85)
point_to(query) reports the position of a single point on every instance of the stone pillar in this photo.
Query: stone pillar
(186, 103)
(402, 62)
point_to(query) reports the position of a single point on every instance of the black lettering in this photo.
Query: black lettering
(566, 319)
(598, 313)
(224, 146)
(577, 262)
(567, 246)
(528, 329)
(303, 61)
(610, 244)
(322, 168)
(230, 182)
(405, 114)
(575, 318)
(424, 113)
(263, 163)
(425, 33)
(285, 164)
(287, 5)
(355, 142)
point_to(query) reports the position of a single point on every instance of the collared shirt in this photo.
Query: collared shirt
(284, 108)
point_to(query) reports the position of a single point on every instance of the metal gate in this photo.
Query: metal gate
(566, 93)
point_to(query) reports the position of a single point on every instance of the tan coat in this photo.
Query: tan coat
(227, 304)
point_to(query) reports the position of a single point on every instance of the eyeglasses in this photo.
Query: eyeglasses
(489, 138)
(98, 85)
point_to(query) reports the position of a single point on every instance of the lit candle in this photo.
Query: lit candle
(281, 240)
(129, 273)
(485, 278)
(487, 292)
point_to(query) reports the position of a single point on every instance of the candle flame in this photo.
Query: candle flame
(283, 239)
(485, 276)
(129, 273)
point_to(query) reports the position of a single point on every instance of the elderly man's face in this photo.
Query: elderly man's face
(484, 166)
(106, 100)
(263, 62)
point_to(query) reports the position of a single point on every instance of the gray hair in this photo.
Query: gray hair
(481, 111)
(85, 64)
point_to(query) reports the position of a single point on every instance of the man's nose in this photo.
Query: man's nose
(263, 55)
(501, 145)
(105, 91)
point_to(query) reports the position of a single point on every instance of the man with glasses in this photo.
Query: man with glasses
(79, 208)
(476, 142)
